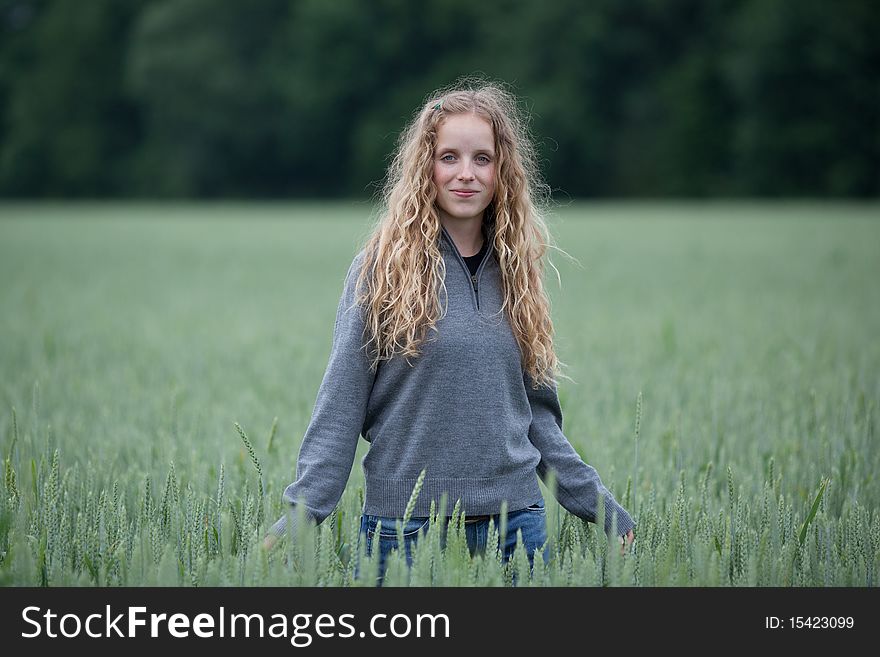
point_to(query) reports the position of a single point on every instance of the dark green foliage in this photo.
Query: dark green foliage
(217, 98)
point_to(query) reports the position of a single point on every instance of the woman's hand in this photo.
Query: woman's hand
(269, 542)
(626, 540)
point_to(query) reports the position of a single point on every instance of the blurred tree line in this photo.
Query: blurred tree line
(305, 98)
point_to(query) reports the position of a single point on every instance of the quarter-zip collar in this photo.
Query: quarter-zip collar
(475, 279)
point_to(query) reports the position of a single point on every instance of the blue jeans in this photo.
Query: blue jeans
(531, 522)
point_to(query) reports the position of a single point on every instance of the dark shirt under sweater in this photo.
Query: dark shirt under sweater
(473, 262)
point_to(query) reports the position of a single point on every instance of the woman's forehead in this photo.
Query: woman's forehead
(465, 130)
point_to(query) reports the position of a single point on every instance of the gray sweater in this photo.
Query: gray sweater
(464, 410)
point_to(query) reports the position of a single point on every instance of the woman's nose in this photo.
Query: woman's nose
(466, 173)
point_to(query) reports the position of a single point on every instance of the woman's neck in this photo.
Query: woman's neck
(466, 233)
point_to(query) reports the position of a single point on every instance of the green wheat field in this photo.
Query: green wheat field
(725, 360)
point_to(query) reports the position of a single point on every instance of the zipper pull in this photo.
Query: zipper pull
(474, 281)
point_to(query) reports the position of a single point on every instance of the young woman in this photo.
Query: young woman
(442, 353)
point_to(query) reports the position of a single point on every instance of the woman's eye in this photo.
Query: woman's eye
(482, 159)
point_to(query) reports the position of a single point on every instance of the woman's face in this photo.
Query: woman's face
(464, 166)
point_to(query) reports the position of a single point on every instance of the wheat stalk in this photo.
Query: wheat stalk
(256, 462)
(410, 506)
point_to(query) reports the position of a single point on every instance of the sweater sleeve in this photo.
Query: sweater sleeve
(327, 452)
(578, 485)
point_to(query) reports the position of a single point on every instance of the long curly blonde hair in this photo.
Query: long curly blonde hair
(403, 270)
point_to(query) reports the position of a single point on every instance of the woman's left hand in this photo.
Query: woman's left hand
(269, 542)
(626, 540)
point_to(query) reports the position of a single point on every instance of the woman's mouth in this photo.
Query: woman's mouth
(462, 194)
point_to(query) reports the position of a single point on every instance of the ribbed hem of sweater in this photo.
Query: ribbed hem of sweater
(478, 495)
(388, 498)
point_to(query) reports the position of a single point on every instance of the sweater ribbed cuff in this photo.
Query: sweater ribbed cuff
(624, 520)
(285, 525)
